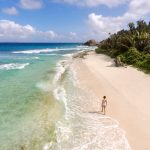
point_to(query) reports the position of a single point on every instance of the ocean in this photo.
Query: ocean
(41, 106)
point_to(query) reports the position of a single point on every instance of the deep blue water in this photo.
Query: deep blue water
(31, 46)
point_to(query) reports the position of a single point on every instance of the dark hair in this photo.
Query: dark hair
(104, 97)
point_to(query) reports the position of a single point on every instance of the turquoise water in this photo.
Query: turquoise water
(43, 108)
(28, 108)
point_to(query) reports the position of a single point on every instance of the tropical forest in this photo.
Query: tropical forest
(131, 45)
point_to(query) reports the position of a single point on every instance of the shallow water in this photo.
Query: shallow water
(83, 129)
(28, 108)
(42, 106)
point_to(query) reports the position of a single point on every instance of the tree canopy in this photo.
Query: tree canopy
(131, 45)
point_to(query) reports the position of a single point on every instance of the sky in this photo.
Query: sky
(67, 20)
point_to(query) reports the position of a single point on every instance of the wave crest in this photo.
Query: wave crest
(13, 66)
(48, 50)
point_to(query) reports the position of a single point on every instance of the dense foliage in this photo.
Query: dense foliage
(132, 45)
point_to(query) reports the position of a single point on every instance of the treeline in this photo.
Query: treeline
(131, 46)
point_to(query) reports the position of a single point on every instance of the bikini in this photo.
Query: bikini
(104, 103)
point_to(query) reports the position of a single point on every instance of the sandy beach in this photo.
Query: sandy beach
(127, 91)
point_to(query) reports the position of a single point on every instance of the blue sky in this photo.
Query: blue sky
(67, 20)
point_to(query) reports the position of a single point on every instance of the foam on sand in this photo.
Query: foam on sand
(81, 129)
(127, 90)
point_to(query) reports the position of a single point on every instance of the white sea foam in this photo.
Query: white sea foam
(68, 55)
(88, 130)
(81, 129)
(44, 86)
(51, 54)
(48, 50)
(13, 66)
(60, 94)
(35, 58)
(82, 46)
(35, 51)
(48, 146)
(60, 69)
(59, 90)
(28, 58)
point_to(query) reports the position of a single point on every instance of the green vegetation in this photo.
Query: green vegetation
(132, 45)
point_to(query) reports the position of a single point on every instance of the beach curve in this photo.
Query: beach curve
(127, 90)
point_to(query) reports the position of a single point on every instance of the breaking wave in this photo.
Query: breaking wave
(13, 66)
(38, 51)
(35, 51)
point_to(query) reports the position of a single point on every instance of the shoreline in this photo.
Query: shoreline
(127, 91)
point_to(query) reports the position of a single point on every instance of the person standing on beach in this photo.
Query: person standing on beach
(104, 104)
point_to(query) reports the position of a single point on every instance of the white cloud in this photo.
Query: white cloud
(139, 8)
(91, 3)
(101, 25)
(11, 31)
(10, 11)
(31, 4)
(73, 34)
(50, 34)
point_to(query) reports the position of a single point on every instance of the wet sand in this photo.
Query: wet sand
(127, 91)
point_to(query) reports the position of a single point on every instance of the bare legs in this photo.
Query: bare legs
(103, 109)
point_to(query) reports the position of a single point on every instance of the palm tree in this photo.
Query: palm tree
(131, 27)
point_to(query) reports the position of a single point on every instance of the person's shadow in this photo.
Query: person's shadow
(96, 112)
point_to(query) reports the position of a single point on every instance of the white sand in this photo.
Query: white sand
(127, 91)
